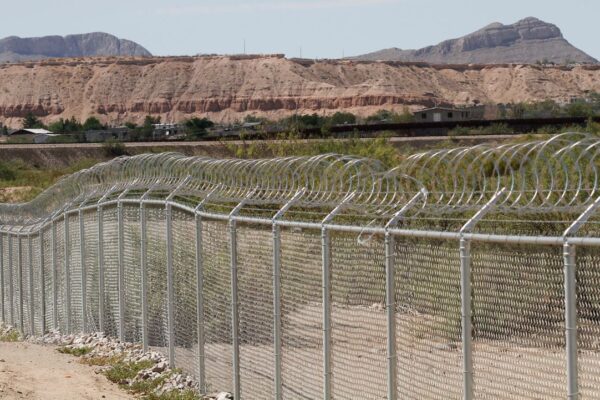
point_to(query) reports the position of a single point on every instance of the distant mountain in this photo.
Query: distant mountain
(527, 41)
(15, 49)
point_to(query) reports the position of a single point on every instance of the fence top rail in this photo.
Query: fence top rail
(559, 174)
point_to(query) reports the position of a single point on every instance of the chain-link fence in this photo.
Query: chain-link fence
(329, 277)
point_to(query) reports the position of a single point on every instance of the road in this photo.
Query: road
(166, 145)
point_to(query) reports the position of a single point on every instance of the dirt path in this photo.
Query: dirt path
(34, 372)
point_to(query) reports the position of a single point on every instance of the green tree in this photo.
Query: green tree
(32, 122)
(342, 118)
(196, 127)
(93, 124)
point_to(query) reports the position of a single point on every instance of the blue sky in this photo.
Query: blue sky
(321, 28)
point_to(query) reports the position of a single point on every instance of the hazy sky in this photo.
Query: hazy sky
(321, 28)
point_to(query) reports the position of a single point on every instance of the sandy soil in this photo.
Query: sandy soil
(33, 372)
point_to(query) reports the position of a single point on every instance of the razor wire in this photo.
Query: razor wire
(328, 276)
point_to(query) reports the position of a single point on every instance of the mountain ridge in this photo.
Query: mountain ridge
(17, 49)
(527, 41)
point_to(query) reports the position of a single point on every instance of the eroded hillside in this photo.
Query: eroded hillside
(228, 88)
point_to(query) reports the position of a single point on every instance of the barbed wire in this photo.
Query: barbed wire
(559, 174)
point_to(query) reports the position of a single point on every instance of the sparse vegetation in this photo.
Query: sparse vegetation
(74, 351)
(121, 371)
(113, 148)
(10, 335)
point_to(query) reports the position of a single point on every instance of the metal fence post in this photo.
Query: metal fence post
(170, 286)
(170, 272)
(235, 322)
(20, 276)
(570, 285)
(277, 291)
(11, 287)
(200, 291)
(466, 323)
(42, 281)
(83, 270)
(101, 300)
(571, 321)
(2, 296)
(31, 286)
(67, 274)
(100, 217)
(144, 274)
(121, 268)
(54, 277)
(465, 294)
(200, 305)
(326, 295)
(390, 294)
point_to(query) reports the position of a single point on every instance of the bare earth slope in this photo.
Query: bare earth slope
(227, 88)
(34, 372)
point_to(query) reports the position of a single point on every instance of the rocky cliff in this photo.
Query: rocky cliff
(527, 41)
(228, 88)
(15, 49)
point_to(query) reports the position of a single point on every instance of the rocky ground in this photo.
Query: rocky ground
(136, 371)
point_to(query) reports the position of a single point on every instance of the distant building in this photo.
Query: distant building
(447, 114)
(41, 138)
(118, 134)
(162, 131)
(30, 134)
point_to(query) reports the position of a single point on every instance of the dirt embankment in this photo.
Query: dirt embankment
(34, 372)
(228, 88)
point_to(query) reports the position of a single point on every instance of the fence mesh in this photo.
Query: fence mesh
(75, 274)
(301, 314)
(110, 246)
(217, 306)
(428, 319)
(358, 317)
(518, 322)
(37, 271)
(255, 296)
(92, 272)
(588, 308)
(185, 283)
(47, 273)
(133, 275)
(157, 277)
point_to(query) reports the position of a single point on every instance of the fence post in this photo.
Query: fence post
(570, 284)
(83, 270)
(170, 277)
(121, 266)
(571, 321)
(54, 277)
(42, 280)
(200, 290)
(466, 323)
(20, 275)
(235, 322)
(277, 291)
(144, 274)
(11, 287)
(465, 293)
(67, 274)
(31, 286)
(390, 293)
(326, 294)
(100, 216)
(2, 297)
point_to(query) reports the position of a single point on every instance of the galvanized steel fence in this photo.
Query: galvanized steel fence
(454, 275)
